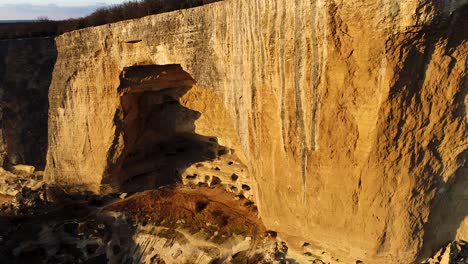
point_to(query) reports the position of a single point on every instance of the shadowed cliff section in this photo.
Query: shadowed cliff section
(449, 210)
(441, 179)
(25, 74)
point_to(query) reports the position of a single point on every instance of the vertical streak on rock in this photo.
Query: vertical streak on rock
(298, 93)
(281, 70)
(234, 44)
(261, 25)
(250, 24)
(382, 81)
(316, 68)
(271, 44)
(240, 61)
(322, 53)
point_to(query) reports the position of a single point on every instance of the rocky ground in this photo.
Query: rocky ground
(40, 223)
(179, 224)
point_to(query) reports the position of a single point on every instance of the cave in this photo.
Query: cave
(158, 132)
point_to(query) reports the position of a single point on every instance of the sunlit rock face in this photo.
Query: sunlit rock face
(347, 117)
(26, 67)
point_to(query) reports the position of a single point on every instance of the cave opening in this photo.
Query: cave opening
(157, 130)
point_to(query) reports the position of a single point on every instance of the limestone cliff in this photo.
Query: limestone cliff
(346, 120)
(25, 73)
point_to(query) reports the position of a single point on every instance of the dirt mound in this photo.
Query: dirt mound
(219, 213)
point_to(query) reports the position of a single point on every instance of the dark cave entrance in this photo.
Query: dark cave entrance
(158, 132)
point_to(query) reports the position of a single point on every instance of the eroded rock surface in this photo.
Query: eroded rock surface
(349, 116)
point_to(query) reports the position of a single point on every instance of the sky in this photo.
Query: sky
(53, 9)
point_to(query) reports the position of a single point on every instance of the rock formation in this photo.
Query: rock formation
(346, 120)
(25, 73)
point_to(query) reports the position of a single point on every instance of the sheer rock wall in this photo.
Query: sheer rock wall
(350, 116)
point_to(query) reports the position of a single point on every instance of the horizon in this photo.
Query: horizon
(11, 10)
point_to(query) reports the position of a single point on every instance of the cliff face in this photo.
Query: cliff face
(345, 120)
(26, 67)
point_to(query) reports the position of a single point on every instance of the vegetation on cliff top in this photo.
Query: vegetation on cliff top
(128, 10)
